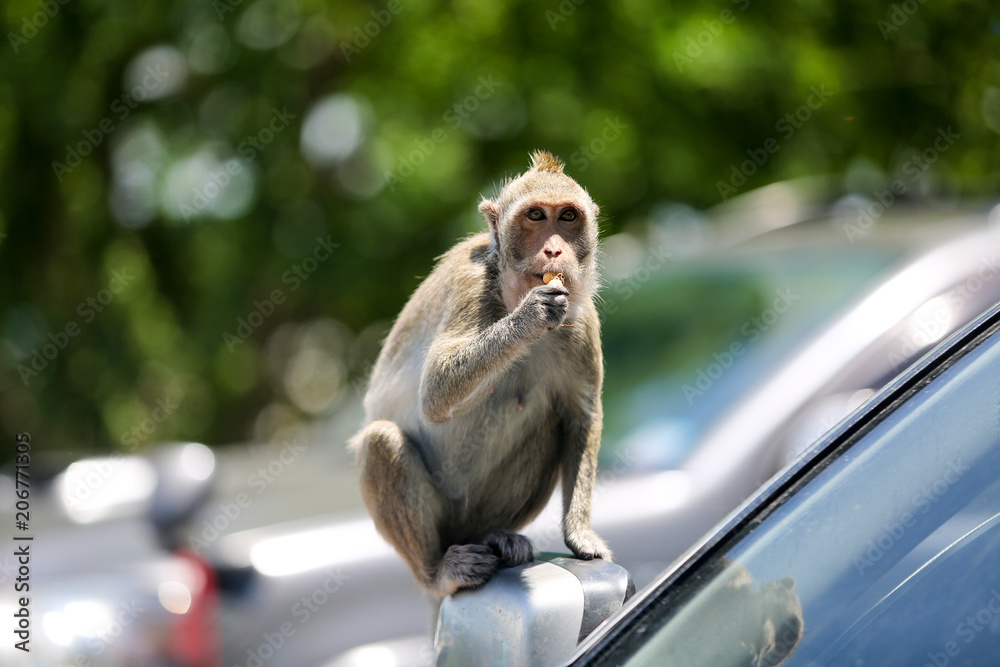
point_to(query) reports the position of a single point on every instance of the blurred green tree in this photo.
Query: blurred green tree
(212, 210)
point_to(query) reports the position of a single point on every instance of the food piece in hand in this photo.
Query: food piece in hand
(556, 279)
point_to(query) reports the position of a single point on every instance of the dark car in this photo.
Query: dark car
(878, 546)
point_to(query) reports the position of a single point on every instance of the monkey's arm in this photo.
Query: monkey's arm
(583, 420)
(457, 369)
(579, 468)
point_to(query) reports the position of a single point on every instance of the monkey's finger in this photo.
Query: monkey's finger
(553, 288)
(556, 307)
(560, 300)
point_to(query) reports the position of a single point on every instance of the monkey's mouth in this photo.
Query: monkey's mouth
(540, 277)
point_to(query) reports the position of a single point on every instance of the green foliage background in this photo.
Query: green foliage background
(688, 88)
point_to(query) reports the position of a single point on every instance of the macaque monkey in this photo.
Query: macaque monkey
(488, 390)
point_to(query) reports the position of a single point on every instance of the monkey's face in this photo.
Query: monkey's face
(544, 222)
(548, 235)
(544, 237)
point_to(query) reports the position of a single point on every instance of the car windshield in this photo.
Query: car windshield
(888, 555)
(681, 344)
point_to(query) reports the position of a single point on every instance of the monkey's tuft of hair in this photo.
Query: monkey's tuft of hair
(546, 161)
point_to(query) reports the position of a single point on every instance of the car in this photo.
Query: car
(876, 546)
(103, 580)
(675, 462)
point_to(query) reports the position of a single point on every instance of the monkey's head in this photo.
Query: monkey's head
(543, 221)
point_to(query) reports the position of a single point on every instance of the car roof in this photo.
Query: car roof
(822, 358)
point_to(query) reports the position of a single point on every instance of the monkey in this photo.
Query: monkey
(487, 390)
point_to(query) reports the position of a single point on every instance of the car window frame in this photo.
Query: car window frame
(668, 590)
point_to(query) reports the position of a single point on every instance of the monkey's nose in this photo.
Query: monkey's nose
(552, 254)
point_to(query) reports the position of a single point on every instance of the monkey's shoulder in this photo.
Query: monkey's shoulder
(451, 295)
(459, 294)
(465, 266)
(473, 249)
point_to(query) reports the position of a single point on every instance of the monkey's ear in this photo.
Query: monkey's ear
(491, 212)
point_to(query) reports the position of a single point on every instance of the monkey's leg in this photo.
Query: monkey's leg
(407, 508)
(511, 548)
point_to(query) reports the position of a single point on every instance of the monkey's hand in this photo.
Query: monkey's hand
(587, 545)
(544, 306)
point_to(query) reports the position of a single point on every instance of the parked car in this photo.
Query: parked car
(674, 463)
(877, 546)
(107, 582)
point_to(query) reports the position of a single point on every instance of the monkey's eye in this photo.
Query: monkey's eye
(569, 215)
(536, 213)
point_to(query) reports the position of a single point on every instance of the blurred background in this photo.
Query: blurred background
(197, 151)
(211, 212)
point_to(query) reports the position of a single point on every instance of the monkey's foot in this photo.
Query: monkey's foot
(511, 548)
(587, 545)
(465, 566)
